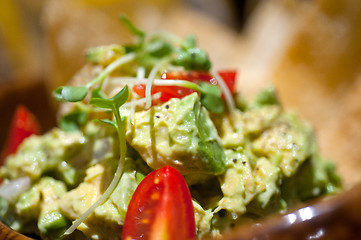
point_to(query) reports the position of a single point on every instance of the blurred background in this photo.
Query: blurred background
(310, 50)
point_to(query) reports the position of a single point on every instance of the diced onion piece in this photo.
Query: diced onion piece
(11, 190)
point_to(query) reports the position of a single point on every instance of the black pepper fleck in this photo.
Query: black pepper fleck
(234, 160)
(167, 106)
(244, 162)
(157, 116)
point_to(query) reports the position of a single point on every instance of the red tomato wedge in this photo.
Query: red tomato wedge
(161, 208)
(229, 78)
(168, 92)
(23, 124)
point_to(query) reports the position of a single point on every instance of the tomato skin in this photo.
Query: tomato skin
(23, 124)
(161, 208)
(168, 92)
(229, 78)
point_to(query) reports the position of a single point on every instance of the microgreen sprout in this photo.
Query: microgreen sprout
(98, 99)
(78, 93)
(130, 26)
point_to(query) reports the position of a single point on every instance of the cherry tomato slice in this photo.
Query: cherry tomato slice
(161, 208)
(229, 77)
(23, 124)
(168, 92)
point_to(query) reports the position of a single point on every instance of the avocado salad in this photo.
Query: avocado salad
(157, 102)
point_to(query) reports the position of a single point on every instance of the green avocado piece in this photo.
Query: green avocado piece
(51, 219)
(289, 139)
(315, 177)
(179, 133)
(237, 183)
(28, 204)
(107, 219)
(128, 183)
(267, 179)
(40, 154)
(41, 203)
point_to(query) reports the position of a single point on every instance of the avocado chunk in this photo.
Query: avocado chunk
(245, 125)
(179, 133)
(106, 220)
(237, 183)
(28, 204)
(51, 222)
(316, 176)
(41, 203)
(289, 139)
(47, 153)
(51, 219)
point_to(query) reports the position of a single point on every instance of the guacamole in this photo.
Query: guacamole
(241, 159)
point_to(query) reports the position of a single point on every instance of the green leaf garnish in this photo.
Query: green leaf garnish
(73, 121)
(107, 121)
(57, 94)
(128, 24)
(210, 89)
(159, 49)
(211, 98)
(71, 93)
(121, 97)
(189, 42)
(101, 103)
(98, 99)
(74, 93)
(97, 93)
(192, 59)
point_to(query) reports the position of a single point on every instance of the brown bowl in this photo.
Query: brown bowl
(333, 217)
(7, 233)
